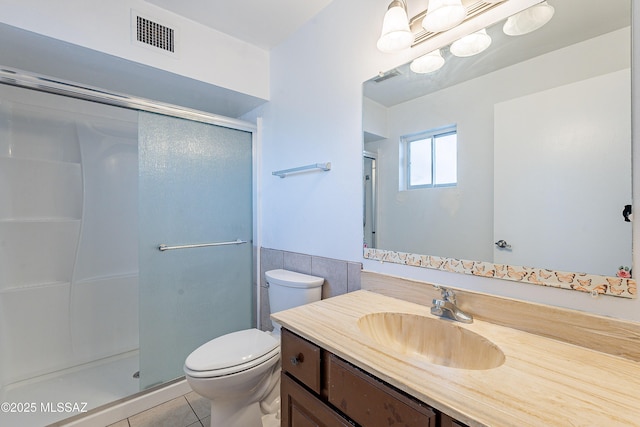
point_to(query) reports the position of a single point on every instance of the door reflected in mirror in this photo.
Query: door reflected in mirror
(543, 125)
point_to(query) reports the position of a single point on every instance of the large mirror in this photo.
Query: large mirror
(542, 156)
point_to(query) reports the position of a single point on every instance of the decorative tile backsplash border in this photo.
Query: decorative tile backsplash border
(594, 284)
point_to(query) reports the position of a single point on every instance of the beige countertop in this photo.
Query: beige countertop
(542, 382)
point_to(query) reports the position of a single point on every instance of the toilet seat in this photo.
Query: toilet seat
(232, 353)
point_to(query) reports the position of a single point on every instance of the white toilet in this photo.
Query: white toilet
(240, 372)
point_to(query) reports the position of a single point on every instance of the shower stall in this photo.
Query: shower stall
(91, 310)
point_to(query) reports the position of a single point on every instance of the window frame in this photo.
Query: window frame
(431, 135)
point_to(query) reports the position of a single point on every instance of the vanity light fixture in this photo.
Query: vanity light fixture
(529, 19)
(428, 63)
(399, 32)
(396, 34)
(443, 15)
(471, 44)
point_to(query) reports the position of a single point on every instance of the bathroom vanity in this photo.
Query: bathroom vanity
(358, 358)
(319, 388)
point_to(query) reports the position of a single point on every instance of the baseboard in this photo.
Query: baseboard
(127, 407)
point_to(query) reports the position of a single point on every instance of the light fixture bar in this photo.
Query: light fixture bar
(480, 14)
(473, 8)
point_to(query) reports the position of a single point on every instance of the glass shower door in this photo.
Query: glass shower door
(195, 188)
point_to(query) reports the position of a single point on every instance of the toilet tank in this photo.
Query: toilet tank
(288, 289)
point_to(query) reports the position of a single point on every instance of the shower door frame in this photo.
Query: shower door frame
(23, 79)
(374, 196)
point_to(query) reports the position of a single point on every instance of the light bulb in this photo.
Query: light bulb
(471, 44)
(443, 15)
(396, 34)
(428, 63)
(528, 20)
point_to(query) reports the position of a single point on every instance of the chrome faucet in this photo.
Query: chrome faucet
(446, 307)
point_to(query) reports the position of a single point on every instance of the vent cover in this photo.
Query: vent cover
(154, 34)
(385, 76)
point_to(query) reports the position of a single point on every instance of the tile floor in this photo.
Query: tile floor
(190, 410)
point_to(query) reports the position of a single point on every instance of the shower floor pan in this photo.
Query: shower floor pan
(41, 401)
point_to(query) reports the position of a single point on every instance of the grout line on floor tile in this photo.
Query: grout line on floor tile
(198, 422)
(191, 406)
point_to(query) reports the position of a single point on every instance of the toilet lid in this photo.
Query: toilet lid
(236, 348)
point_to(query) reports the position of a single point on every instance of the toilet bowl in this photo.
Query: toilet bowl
(236, 372)
(240, 372)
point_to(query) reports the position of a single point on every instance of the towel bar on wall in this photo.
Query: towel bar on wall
(283, 173)
(200, 245)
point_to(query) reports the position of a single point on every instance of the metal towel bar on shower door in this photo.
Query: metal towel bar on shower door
(201, 245)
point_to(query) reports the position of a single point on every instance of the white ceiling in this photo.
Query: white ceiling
(263, 23)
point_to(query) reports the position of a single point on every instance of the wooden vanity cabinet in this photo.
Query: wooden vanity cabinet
(447, 421)
(320, 389)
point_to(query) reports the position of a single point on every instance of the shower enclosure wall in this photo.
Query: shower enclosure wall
(69, 252)
(68, 246)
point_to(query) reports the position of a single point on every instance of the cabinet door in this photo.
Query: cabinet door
(301, 409)
(447, 421)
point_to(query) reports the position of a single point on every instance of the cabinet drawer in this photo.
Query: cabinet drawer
(301, 359)
(371, 403)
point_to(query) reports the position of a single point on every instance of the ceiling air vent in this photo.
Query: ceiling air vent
(154, 34)
(386, 76)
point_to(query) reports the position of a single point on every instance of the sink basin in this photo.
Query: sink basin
(439, 341)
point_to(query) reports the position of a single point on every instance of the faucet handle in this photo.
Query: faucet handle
(447, 294)
(450, 296)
